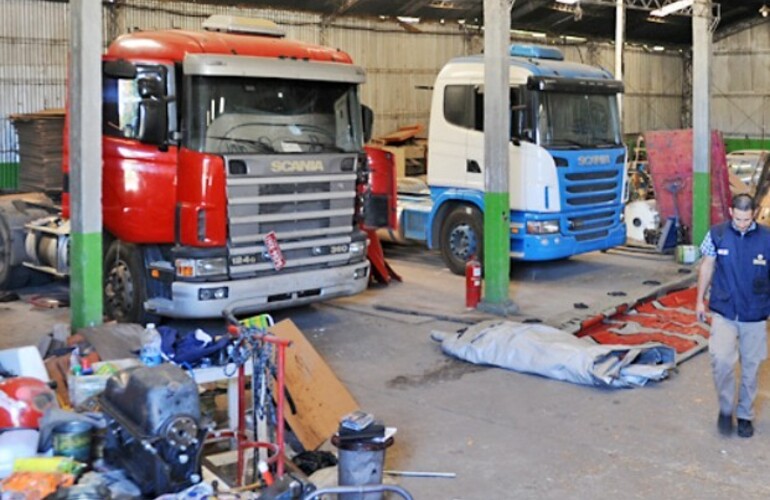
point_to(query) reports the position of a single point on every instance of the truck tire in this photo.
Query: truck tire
(125, 284)
(461, 237)
(11, 276)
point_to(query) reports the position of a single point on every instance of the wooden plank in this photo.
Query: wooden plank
(319, 396)
(403, 134)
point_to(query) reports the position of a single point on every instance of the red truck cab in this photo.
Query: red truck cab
(214, 140)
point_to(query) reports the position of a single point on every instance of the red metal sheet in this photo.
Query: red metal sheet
(670, 157)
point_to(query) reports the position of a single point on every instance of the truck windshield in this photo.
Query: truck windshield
(271, 115)
(577, 121)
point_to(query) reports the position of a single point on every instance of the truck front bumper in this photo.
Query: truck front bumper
(264, 293)
(534, 247)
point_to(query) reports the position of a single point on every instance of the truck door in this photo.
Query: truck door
(475, 142)
(474, 164)
(448, 156)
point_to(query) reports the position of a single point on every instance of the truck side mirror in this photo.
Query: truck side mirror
(367, 118)
(153, 121)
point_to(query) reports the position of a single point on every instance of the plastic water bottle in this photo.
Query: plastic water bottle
(150, 352)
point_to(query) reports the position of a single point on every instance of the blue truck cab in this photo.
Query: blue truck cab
(567, 161)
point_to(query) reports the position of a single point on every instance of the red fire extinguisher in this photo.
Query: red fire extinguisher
(472, 282)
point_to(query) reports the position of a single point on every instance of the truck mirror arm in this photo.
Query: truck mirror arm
(367, 118)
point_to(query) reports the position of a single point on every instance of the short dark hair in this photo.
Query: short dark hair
(744, 201)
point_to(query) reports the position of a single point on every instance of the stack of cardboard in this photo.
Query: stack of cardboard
(41, 143)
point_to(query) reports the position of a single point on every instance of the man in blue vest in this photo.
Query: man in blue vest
(735, 265)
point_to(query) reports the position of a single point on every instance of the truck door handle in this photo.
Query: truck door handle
(472, 167)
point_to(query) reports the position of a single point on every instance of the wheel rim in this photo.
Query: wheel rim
(119, 290)
(462, 242)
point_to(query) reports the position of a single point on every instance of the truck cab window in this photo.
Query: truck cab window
(458, 105)
(464, 107)
(122, 98)
(574, 120)
(271, 116)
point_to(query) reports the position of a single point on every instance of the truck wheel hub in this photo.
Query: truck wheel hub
(119, 290)
(462, 241)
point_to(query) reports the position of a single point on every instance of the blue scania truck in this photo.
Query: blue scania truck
(567, 161)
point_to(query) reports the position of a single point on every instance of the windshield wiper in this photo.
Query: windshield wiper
(572, 144)
(324, 146)
(262, 146)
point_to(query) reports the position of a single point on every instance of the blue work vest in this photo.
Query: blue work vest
(740, 286)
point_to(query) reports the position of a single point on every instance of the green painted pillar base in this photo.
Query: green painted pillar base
(701, 211)
(86, 296)
(505, 309)
(497, 241)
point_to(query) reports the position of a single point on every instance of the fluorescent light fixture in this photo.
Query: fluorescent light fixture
(659, 48)
(442, 4)
(408, 20)
(672, 7)
(569, 38)
(568, 2)
(537, 35)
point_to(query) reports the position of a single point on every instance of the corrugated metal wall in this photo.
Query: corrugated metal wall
(399, 64)
(740, 94)
(654, 85)
(33, 48)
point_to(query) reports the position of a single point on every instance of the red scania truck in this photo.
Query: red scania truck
(216, 146)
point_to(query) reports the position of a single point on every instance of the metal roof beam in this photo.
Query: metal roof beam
(345, 5)
(521, 9)
(650, 5)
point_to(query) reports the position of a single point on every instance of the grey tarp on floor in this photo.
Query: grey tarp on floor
(550, 352)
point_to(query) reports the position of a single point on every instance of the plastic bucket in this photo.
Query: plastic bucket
(686, 254)
(73, 439)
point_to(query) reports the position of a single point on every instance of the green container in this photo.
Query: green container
(73, 439)
(9, 176)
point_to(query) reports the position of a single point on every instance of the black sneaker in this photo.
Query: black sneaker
(745, 428)
(725, 424)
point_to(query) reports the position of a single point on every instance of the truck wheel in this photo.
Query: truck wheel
(461, 238)
(125, 289)
(11, 276)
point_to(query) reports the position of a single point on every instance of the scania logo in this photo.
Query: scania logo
(297, 166)
(593, 160)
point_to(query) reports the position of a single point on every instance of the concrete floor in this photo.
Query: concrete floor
(510, 435)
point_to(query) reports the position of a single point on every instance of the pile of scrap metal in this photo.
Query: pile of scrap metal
(140, 430)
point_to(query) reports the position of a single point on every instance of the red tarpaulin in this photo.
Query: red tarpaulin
(669, 319)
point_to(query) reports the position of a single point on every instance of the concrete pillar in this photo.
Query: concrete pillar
(701, 122)
(85, 159)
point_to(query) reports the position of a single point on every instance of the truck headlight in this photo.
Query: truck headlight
(357, 249)
(543, 226)
(200, 268)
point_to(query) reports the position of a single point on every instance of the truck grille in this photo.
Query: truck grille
(310, 212)
(592, 201)
(591, 226)
(584, 189)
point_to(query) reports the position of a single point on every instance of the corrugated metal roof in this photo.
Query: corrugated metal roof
(593, 18)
